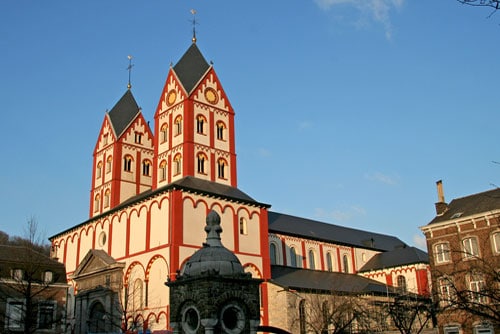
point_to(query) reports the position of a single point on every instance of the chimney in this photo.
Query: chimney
(441, 205)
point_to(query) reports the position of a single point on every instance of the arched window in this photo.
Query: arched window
(243, 226)
(329, 261)
(146, 167)
(220, 130)
(221, 168)
(312, 260)
(345, 261)
(470, 247)
(98, 172)
(163, 170)
(109, 160)
(273, 253)
(106, 198)
(293, 257)
(302, 316)
(127, 163)
(401, 284)
(178, 125)
(200, 124)
(202, 158)
(137, 294)
(97, 203)
(164, 133)
(177, 164)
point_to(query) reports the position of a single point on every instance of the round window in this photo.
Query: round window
(233, 319)
(102, 239)
(190, 320)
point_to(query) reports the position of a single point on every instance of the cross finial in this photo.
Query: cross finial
(193, 11)
(129, 68)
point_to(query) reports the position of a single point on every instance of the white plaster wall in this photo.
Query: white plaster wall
(138, 219)
(72, 246)
(248, 242)
(160, 222)
(194, 223)
(119, 226)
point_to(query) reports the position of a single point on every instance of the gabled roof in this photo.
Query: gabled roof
(123, 113)
(311, 229)
(470, 205)
(306, 279)
(396, 258)
(191, 68)
(96, 260)
(189, 184)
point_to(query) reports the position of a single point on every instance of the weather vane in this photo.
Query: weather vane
(129, 68)
(193, 11)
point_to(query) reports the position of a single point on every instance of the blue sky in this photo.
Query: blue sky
(347, 111)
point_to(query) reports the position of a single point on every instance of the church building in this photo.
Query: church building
(153, 187)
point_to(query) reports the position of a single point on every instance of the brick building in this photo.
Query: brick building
(463, 242)
(33, 292)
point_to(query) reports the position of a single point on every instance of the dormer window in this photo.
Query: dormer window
(48, 276)
(17, 274)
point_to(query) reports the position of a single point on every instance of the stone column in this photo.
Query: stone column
(209, 325)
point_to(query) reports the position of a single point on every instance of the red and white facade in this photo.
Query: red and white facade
(152, 190)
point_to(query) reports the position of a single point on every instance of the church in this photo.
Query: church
(152, 188)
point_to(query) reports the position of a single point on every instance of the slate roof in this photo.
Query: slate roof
(123, 113)
(396, 258)
(311, 229)
(307, 279)
(19, 257)
(189, 184)
(470, 205)
(191, 68)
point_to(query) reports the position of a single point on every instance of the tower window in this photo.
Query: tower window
(146, 166)
(177, 164)
(178, 125)
(163, 133)
(221, 168)
(127, 163)
(201, 163)
(109, 160)
(106, 198)
(97, 202)
(200, 124)
(138, 138)
(220, 130)
(163, 170)
(105, 139)
(99, 169)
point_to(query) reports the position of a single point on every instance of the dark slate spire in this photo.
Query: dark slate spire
(123, 113)
(191, 68)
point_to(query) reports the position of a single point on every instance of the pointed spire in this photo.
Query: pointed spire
(129, 68)
(193, 11)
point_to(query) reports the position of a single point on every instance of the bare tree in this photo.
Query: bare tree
(473, 288)
(332, 313)
(412, 313)
(27, 284)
